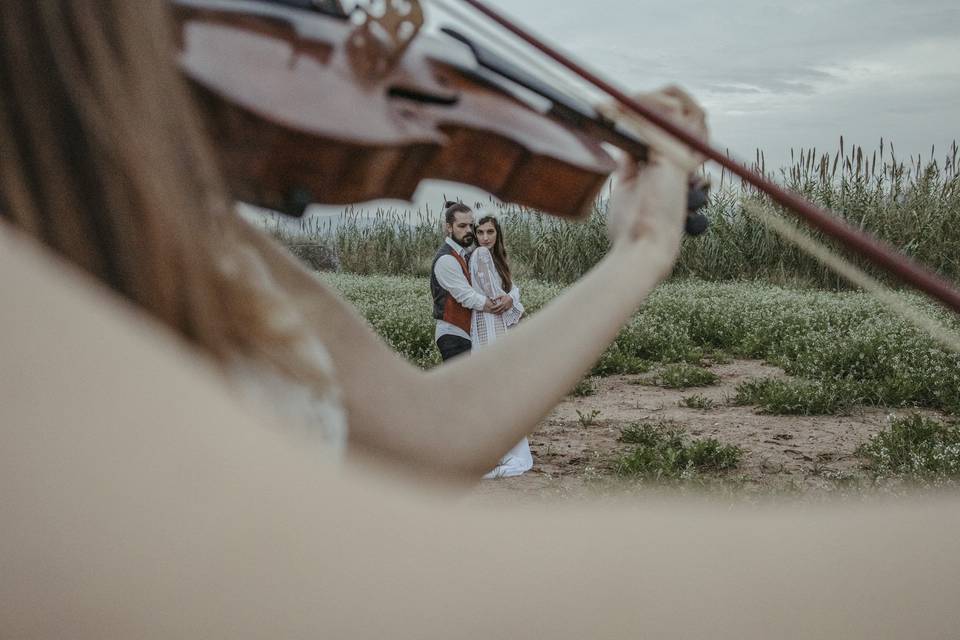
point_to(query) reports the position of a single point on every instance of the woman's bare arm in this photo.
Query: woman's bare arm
(140, 499)
(443, 421)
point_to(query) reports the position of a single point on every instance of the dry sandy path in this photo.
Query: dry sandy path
(801, 453)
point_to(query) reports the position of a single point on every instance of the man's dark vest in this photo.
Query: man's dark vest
(445, 306)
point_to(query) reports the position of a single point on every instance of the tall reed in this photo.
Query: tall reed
(911, 203)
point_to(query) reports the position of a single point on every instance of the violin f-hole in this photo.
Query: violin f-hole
(406, 93)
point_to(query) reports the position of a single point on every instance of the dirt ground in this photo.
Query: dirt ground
(796, 454)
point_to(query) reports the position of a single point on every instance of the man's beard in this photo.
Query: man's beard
(465, 241)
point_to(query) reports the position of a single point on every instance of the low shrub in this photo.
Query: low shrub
(915, 447)
(683, 376)
(662, 452)
(795, 397)
(586, 387)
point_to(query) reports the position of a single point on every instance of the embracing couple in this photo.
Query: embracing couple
(475, 300)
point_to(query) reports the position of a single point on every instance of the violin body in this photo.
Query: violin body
(298, 117)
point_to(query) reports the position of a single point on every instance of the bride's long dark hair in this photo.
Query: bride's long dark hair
(499, 252)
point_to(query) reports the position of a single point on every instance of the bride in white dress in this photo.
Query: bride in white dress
(490, 275)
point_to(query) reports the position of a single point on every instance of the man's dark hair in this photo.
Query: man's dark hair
(451, 209)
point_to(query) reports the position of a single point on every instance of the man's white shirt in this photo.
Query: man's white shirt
(451, 277)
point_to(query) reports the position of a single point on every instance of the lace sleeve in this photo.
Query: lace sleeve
(513, 315)
(485, 273)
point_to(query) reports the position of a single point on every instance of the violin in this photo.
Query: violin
(308, 106)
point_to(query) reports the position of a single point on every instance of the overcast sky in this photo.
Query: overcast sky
(774, 75)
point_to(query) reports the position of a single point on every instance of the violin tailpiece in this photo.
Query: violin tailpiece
(383, 32)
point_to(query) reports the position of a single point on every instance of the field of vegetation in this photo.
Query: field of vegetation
(840, 349)
(831, 354)
(748, 331)
(913, 205)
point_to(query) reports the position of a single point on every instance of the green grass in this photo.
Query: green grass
(683, 376)
(614, 361)
(586, 387)
(663, 452)
(915, 448)
(796, 397)
(400, 309)
(844, 340)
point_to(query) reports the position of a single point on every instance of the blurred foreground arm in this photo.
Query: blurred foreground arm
(124, 514)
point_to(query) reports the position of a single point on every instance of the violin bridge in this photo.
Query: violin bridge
(384, 29)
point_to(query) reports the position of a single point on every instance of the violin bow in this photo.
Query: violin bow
(877, 252)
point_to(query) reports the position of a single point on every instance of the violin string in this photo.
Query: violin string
(524, 56)
(500, 41)
(790, 232)
(582, 93)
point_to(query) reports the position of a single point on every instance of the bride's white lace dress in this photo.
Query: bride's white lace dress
(486, 328)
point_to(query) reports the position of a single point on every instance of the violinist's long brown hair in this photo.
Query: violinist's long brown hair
(499, 252)
(105, 161)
